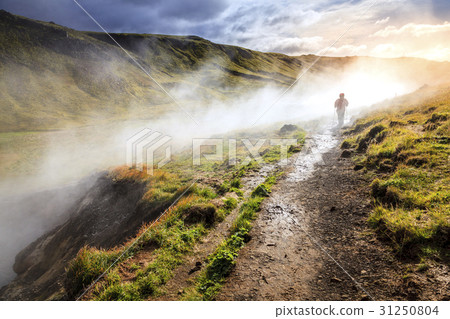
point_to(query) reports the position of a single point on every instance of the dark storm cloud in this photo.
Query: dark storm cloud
(441, 9)
(140, 16)
(286, 26)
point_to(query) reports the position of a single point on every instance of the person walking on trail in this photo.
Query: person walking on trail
(340, 105)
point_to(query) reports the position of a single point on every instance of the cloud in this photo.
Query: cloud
(385, 49)
(289, 26)
(348, 49)
(414, 40)
(438, 53)
(383, 21)
(441, 9)
(416, 30)
(139, 16)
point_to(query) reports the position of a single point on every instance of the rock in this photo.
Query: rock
(198, 266)
(288, 128)
(200, 213)
(346, 154)
(364, 297)
(109, 211)
(335, 279)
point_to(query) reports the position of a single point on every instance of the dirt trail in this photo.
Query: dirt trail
(310, 240)
(316, 213)
(195, 261)
(280, 262)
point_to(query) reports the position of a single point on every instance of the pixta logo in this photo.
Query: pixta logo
(143, 150)
(252, 149)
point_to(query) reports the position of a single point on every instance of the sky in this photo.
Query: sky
(382, 28)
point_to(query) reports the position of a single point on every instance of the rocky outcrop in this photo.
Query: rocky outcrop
(109, 213)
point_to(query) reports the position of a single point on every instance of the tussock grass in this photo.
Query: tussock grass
(171, 237)
(407, 153)
(89, 264)
(222, 261)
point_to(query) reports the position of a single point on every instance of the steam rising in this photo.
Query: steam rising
(75, 153)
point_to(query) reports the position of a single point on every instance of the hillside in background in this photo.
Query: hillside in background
(53, 77)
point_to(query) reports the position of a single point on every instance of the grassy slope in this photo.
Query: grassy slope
(52, 76)
(48, 79)
(204, 205)
(405, 150)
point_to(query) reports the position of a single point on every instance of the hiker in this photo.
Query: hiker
(340, 105)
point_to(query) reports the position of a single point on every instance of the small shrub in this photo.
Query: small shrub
(374, 131)
(86, 267)
(238, 192)
(363, 144)
(230, 203)
(378, 190)
(416, 161)
(224, 188)
(262, 191)
(395, 123)
(236, 183)
(346, 145)
(437, 117)
(221, 264)
(205, 192)
(430, 127)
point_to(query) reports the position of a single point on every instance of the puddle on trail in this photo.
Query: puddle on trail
(311, 155)
(281, 216)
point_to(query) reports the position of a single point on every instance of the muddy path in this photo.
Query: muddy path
(280, 262)
(311, 240)
(195, 261)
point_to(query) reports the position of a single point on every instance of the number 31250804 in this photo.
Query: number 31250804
(408, 310)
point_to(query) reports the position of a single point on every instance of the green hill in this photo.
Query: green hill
(53, 77)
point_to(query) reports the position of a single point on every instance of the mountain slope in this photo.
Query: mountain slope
(53, 77)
